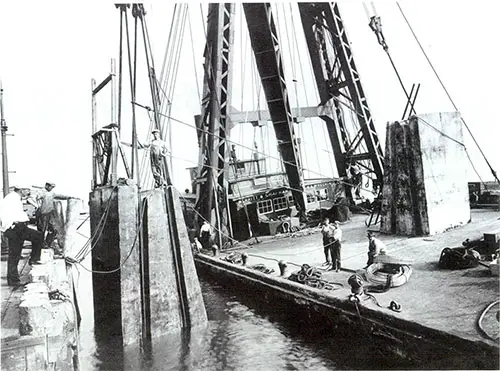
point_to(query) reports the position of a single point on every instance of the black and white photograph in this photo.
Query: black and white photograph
(250, 186)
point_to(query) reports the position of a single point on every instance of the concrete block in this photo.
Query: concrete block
(63, 318)
(40, 273)
(164, 291)
(35, 315)
(117, 305)
(46, 256)
(425, 186)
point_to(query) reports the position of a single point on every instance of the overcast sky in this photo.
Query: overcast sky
(49, 51)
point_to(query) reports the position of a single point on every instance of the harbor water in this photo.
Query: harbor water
(241, 334)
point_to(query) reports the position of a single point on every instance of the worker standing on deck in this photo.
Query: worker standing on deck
(375, 248)
(205, 232)
(46, 213)
(157, 152)
(336, 246)
(13, 224)
(327, 230)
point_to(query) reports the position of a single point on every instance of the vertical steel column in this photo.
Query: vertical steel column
(94, 130)
(114, 144)
(5, 162)
(337, 76)
(213, 125)
(266, 47)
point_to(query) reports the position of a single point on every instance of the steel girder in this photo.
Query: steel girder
(337, 77)
(213, 124)
(265, 44)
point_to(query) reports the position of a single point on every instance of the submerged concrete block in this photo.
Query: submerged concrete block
(115, 262)
(425, 183)
(164, 298)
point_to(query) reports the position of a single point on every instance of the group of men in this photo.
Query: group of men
(14, 225)
(332, 237)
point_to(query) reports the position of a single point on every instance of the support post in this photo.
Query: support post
(5, 163)
(265, 44)
(94, 130)
(214, 122)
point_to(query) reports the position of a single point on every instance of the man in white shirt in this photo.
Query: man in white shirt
(13, 224)
(375, 247)
(205, 232)
(336, 246)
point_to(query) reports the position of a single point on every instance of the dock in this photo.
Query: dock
(440, 308)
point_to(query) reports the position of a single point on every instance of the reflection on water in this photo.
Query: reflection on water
(236, 337)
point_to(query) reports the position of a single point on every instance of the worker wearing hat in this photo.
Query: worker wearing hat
(13, 224)
(157, 153)
(46, 213)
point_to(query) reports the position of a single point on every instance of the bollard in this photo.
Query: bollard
(244, 258)
(282, 266)
(215, 250)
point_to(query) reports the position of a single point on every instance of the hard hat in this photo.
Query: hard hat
(50, 184)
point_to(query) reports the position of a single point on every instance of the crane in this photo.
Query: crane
(337, 80)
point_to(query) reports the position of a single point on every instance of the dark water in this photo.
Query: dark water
(241, 335)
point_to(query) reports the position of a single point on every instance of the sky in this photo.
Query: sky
(49, 54)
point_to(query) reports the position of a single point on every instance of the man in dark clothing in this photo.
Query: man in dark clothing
(13, 223)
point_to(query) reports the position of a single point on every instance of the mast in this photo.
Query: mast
(5, 163)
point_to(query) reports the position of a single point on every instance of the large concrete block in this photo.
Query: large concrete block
(115, 262)
(425, 182)
(164, 283)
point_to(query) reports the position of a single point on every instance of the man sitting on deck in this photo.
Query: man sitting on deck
(13, 223)
(375, 247)
(205, 232)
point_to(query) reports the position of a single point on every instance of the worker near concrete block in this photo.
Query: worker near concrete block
(336, 246)
(327, 230)
(46, 213)
(375, 248)
(13, 223)
(205, 232)
(157, 152)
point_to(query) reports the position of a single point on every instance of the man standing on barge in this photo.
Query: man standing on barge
(327, 230)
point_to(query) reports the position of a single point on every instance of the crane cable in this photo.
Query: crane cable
(448, 94)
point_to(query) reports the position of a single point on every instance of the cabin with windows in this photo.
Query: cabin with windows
(259, 200)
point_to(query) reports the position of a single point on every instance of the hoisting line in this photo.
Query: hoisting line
(447, 93)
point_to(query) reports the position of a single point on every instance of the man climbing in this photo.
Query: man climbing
(375, 248)
(46, 213)
(327, 230)
(356, 178)
(13, 224)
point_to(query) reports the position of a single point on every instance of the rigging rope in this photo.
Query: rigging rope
(448, 94)
(245, 147)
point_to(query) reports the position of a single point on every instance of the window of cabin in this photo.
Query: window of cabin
(265, 206)
(280, 203)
